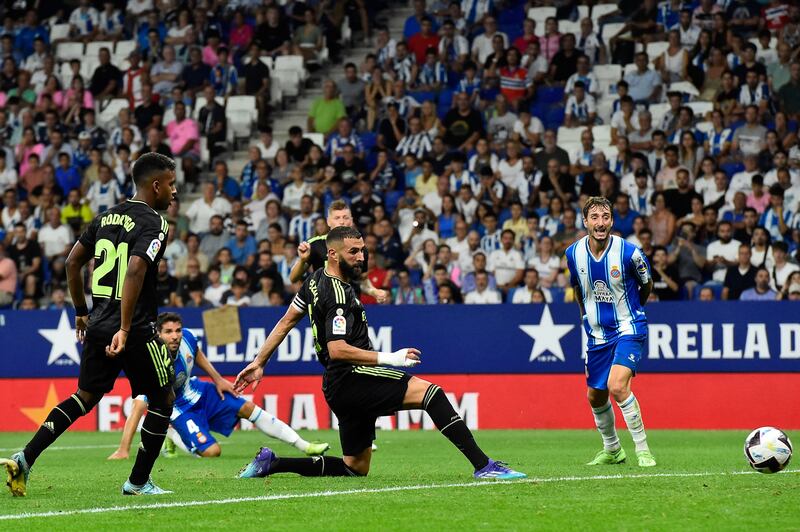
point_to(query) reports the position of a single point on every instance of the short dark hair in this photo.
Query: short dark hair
(338, 234)
(597, 201)
(149, 165)
(164, 317)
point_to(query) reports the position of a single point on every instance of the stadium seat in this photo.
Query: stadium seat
(655, 49)
(88, 66)
(604, 108)
(59, 32)
(704, 127)
(423, 96)
(169, 116)
(570, 134)
(124, 48)
(602, 135)
(316, 138)
(608, 150)
(602, 9)
(391, 200)
(731, 168)
(609, 72)
(108, 116)
(549, 95)
(554, 117)
(289, 80)
(242, 114)
(701, 109)
(69, 50)
(610, 30)
(369, 140)
(93, 48)
(540, 15)
(773, 42)
(347, 32)
(583, 12)
(293, 63)
(657, 111)
(65, 72)
(567, 26)
(684, 87)
(267, 60)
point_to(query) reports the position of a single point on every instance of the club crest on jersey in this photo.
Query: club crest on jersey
(601, 293)
(153, 248)
(615, 273)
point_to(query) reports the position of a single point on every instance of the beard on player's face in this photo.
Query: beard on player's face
(351, 272)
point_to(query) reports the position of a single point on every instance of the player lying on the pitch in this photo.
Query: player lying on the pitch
(201, 407)
(357, 385)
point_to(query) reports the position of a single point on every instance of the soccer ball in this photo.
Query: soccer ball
(768, 450)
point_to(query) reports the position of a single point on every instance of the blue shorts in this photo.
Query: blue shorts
(208, 414)
(624, 351)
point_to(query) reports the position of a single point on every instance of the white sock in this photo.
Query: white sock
(604, 419)
(173, 435)
(633, 418)
(272, 426)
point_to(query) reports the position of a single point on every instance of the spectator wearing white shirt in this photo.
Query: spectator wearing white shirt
(433, 200)
(591, 43)
(723, 252)
(104, 193)
(84, 21)
(776, 219)
(528, 129)
(546, 262)
(742, 181)
(624, 121)
(294, 191)
(482, 294)
(782, 268)
(301, 227)
(55, 238)
(581, 109)
(506, 263)
(531, 292)
(111, 21)
(482, 44)
(166, 73)
(202, 209)
(8, 175)
(585, 75)
(689, 32)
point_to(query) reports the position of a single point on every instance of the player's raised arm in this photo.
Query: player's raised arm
(76, 260)
(300, 267)
(255, 370)
(131, 287)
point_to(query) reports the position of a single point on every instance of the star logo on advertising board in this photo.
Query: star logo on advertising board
(63, 343)
(38, 414)
(546, 338)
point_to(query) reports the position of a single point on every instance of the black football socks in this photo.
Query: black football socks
(450, 424)
(317, 466)
(59, 420)
(154, 430)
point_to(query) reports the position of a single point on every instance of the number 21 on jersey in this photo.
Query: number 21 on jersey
(107, 259)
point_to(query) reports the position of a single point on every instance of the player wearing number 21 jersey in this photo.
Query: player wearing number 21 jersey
(612, 282)
(126, 243)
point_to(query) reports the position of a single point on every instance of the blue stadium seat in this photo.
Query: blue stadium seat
(557, 294)
(423, 96)
(369, 140)
(550, 95)
(714, 286)
(731, 168)
(554, 117)
(391, 199)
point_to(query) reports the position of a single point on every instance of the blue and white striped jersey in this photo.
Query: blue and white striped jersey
(187, 393)
(609, 289)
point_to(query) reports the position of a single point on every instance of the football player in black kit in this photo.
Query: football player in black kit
(357, 385)
(126, 242)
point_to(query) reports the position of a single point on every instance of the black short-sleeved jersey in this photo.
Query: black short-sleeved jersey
(128, 229)
(335, 314)
(319, 255)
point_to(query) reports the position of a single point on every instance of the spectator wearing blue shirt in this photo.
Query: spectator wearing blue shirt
(152, 23)
(413, 23)
(226, 185)
(242, 245)
(624, 215)
(224, 77)
(67, 176)
(29, 32)
(644, 84)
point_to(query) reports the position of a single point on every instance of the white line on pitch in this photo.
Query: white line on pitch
(66, 447)
(389, 489)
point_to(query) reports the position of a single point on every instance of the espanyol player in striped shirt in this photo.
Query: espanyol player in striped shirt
(612, 282)
(202, 407)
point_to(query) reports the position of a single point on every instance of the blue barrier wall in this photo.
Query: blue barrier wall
(503, 339)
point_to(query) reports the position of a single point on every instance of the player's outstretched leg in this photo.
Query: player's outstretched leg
(619, 386)
(58, 420)
(266, 462)
(154, 430)
(274, 427)
(432, 399)
(603, 411)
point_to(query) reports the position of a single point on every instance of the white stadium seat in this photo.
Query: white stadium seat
(540, 14)
(701, 109)
(570, 134)
(108, 116)
(602, 9)
(124, 48)
(684, 87)
(316, 138)
(602, 135)
(610, 30)
(657, 111)
(69, 50)
(293, 63)
(200, 102)
(59, 32)
(242, 114)
(567, 26)
(93, 48)
(656, 49)
(289, 80)
(604, 108)
(608, 72)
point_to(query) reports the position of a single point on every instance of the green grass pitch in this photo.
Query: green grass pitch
(418, 481)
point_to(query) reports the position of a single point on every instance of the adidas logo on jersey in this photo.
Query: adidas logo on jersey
(49, 426)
